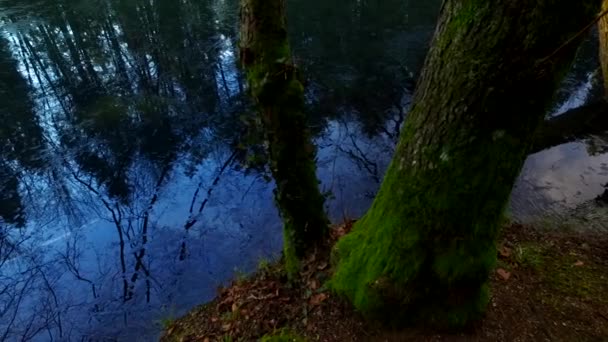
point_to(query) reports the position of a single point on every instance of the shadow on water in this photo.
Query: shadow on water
(132, 174)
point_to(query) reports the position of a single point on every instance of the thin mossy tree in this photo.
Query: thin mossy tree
(424, 251)
(275, 85)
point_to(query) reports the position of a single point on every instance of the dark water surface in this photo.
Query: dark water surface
(132, 180)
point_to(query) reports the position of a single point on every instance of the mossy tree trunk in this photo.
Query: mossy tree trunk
(424, 250)
(275, 85)
(603, 33)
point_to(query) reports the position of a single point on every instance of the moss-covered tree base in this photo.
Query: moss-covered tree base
(418, 256)
(424, 250)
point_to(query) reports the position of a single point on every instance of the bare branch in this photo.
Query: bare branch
(572, 125)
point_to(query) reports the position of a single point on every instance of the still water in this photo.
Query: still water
(132, 177)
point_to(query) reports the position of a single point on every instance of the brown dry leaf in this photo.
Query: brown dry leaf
(504, 252)
(340, 232)
(579, 263)
(504, 274)
(227, 300)
(226, 326)
(234, 307)
(322, 266)
(170, 331)
(213, 319)
(318, 299)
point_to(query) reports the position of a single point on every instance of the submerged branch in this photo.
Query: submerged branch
(193, 218)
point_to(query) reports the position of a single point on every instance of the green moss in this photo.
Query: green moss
(467, 13)
(240, 276)
(230, 316)
(264, 265)
(588, 282)
(426, 247)
(227, 338)
(290, 259)
(167, 322)
(529, 255)
(564, 272)
(283, 335)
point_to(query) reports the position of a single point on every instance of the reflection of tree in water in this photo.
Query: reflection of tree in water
(20, 137)
(361, 57)
(126, 101)
(126, 89)
(138, 80)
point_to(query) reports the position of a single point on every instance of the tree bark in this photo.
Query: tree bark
(603, 33)
(424, 250)
(275, 85)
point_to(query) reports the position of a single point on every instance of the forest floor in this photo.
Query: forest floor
(548, 286)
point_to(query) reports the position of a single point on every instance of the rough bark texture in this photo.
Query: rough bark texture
(275, 85)
(424, 250)
(603, 33)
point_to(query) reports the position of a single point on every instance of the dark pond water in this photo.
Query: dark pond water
(132, 180)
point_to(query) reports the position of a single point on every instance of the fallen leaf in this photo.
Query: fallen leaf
(504, 274)
(579, 263)
(234, 307)
(213, 319)
(226, 327)
(318, 299)
(322, 266)
(504, 252)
